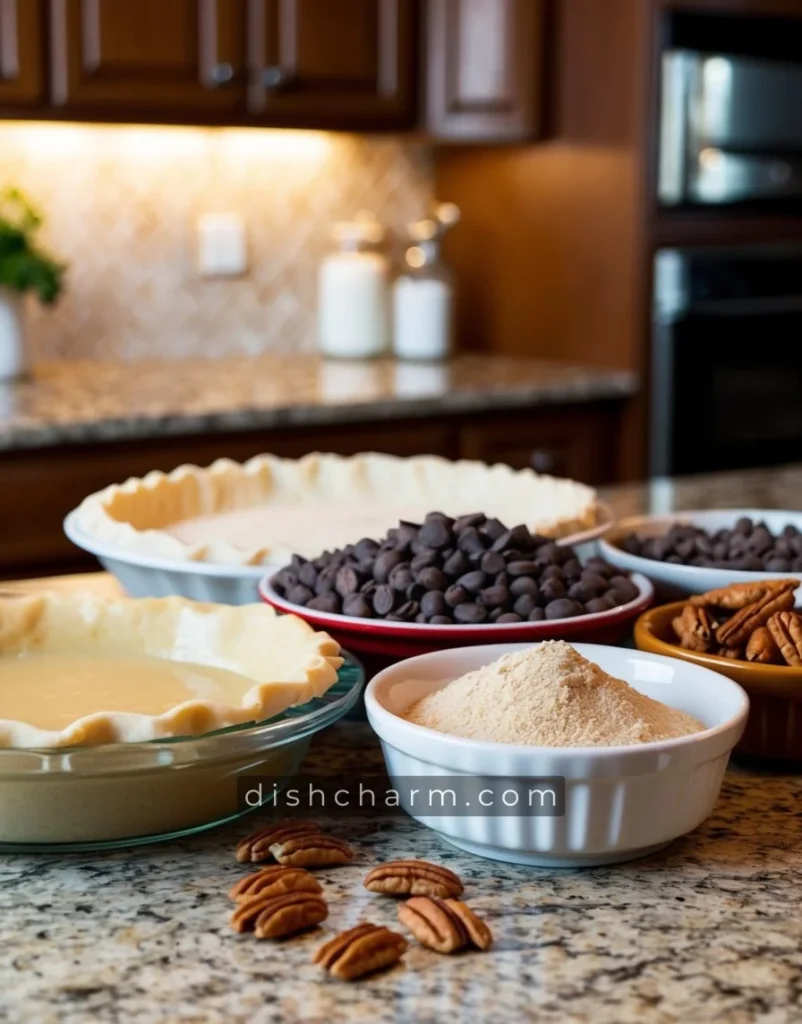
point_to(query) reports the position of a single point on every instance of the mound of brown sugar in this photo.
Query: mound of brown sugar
(549, 696)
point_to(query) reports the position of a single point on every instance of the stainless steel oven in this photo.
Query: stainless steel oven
(726, 389)
(731, 128)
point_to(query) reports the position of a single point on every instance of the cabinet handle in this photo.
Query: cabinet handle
(542, 461)
(9, 52)
(275, 77)
(221, 74)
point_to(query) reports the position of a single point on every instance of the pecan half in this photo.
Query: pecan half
(444, 925)
(694, 628)
(273, 881)
(733, 653)
(736, 631)
(786, 628)
(312, 851)
(360, 951)
(413, 878)
(739, 595)
(256, 847)
(273, 917)
(762, 647)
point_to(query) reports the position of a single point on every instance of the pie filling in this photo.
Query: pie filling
(51, 691)
(332, 524)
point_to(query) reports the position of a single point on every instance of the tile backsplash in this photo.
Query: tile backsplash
(121, 206)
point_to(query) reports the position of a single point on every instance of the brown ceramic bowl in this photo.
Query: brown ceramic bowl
(774, 729)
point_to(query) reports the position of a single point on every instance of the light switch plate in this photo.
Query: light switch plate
(222, 247)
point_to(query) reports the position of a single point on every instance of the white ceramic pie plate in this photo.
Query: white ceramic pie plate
(147, 576)
(126, 794)
(620, 802)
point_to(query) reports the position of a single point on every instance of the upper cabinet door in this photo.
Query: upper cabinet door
(484, 69)
(22, 51)
(338, 63)
(131, 58)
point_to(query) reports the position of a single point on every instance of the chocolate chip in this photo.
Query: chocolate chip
(470, 613)
(424, 559)
(492, 597)
(472, 581)
(456, 595)
(433, 603)
(384, 565)
(524, 585)
(366, 548)
(777, 564)
(401, 577)
(572, 568)
(348, 581)
(581, 592)
(563, 608)
(286, 578)
(520, 538)
(470, 540)
(524, 606)
(492, 562)
(441, 620)
(599, 604)
(493, 529)
(433, 579)
(457, 564)
(408, 611)
(537, 615)
(326, 580)
(472, 519)
(509, 617)
(308, 575)
(420, 617)
(623, 586)
(415, 592)
(435, 534)
(299, 594)
(357, 606)
(522, 568)
(551, 589)
(328, 602)
(384, 599)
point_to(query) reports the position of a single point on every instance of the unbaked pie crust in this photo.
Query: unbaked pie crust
(269, 508)
(280, 660)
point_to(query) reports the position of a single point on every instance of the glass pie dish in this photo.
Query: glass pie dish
(127, 794)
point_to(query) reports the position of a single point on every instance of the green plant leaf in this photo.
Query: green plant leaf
(24, 265)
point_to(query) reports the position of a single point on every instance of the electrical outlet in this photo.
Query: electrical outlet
(222, 248)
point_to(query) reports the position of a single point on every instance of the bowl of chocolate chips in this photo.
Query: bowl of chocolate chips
(449, 582)
(693, 552)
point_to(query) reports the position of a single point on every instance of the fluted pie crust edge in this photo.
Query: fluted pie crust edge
(134, 517)
(287, 660)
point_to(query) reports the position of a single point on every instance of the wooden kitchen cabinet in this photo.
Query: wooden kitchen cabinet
(22, 53)
(332, 62)
(484, 69)
(127, 59)
(581, 442)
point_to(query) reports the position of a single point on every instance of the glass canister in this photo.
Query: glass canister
(423, 294)
(353, 292)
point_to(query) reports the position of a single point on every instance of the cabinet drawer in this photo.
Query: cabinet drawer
(580, 442)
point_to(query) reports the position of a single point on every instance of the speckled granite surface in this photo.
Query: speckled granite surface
(76, 402)
(708, 930)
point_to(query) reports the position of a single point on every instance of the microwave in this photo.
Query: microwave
(730, 129)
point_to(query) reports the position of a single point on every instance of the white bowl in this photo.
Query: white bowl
(673, 582)
(150, 576)
(620, 802)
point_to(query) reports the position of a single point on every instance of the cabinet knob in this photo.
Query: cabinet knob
(542, 461)
(221, 74)
(274, 77)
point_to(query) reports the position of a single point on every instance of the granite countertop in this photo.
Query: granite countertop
(707, 930)
(78, 402)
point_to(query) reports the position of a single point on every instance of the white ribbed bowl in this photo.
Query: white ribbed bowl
(620, 802)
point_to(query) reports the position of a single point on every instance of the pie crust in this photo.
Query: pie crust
(141, 515)
(287, 660)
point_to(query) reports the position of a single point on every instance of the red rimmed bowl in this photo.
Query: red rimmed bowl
(378, 644)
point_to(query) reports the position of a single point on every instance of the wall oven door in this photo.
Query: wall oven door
(731, 129)
(726, 359)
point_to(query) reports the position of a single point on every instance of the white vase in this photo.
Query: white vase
(13, 335)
